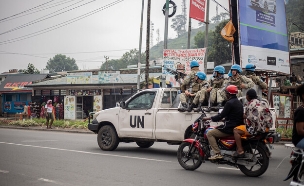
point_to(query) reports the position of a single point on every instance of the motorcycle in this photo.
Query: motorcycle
(297, 169)
(193, 152)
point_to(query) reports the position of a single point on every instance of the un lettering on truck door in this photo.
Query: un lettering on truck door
(136, 118)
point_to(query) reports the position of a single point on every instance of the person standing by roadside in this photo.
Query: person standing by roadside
(49, 114)
(298, 121)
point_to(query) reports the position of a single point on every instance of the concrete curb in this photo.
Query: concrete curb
(55, 129)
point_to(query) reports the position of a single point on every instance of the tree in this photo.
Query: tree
(178, 24)
(199, 39)
(220, 50)
(294, 15)
(128, 58)
(61, 63)
(31, 69)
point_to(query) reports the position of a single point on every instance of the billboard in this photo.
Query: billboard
(197, 10)
(263, 34)
(179, 59)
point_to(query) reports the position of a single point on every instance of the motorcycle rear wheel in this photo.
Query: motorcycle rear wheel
(261, 164)
(189, 160)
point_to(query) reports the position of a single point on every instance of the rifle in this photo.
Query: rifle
(177, 75)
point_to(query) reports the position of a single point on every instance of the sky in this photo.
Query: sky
(32, 32)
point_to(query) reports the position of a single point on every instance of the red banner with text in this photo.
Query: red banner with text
(197, 10)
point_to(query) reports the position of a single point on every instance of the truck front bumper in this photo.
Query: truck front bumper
(93, 126)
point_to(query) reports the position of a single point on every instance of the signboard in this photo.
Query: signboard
(179, 59)
(263, 35)
(197, 10)
(282, 104)
(69, 107)
(79, 78)
(14, 106)
(97, 105)
(108, 77)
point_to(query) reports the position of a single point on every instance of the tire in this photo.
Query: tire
(145, 144)
(107, 138)
(262, 162)
(189, 161)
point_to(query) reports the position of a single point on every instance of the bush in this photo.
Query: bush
(285, 133)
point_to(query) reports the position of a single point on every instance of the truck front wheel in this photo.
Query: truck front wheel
(107, 138)
(144, 144)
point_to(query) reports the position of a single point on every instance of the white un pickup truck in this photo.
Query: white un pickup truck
(148, 116)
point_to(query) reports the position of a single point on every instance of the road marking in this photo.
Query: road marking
(49, 181)
(33, 141)
(4, 171)
(85, 152)
(228, 168)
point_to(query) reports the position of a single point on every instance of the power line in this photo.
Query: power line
(297, 26)
(25, 11)
(59, 25)
(220, 5)
(41, 9)
(40, 19)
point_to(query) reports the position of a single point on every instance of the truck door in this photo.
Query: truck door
(136, 119)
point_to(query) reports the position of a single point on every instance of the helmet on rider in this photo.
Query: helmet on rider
(237, 68)
(201, 75)
(250, 67)
(229, 73)
(232, 89)
(220, 69)
(194, 64)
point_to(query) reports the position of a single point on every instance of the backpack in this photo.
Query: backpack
(258, 116)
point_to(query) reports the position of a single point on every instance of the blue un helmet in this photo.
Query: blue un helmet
(250, 67)
(237, 68)
(220, 69)
(229, 73)
(194, 64)
(201, 75)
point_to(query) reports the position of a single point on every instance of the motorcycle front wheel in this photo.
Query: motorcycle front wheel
(261, 164)
(189, 159)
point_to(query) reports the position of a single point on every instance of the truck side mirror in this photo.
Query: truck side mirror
(122, 104)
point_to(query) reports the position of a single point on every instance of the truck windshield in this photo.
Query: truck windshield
(144, 100)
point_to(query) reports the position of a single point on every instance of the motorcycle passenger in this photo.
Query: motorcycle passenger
(200, 95)
(250, 73)
(233, 114)
(298, 121)
(216, 86)
(189, 86)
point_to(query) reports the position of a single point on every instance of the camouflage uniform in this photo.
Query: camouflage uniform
(201, 95)
(190, 85)
(217, 85)
(237, 81)
(256, 79)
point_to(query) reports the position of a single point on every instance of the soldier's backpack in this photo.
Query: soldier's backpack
(258, 115)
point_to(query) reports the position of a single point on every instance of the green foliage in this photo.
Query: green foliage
(31, 69)
(199, 39)
(285, 133)
(295, 14)
(128, 58)
(61, 63)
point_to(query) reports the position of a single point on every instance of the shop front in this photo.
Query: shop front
(14, 93)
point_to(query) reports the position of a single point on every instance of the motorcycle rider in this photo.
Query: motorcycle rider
(233, 114)
(200, 95)
(189, 87)
(298, 121)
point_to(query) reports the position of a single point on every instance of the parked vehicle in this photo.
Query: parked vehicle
(193, 152)
(297, 168)
(267, 5)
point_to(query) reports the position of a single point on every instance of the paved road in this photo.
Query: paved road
(39, 158)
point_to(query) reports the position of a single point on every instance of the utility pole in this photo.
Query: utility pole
(189, 33)
(165, 36)
(148, 43)
(206, 36)
(107, 65)
(140, 42)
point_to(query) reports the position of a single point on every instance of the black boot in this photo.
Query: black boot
(198, 108)
(190, 108)
(183, 107)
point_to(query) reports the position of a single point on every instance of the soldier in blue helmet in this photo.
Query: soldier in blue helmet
(189, 87)
(200, 95)
(250, 73)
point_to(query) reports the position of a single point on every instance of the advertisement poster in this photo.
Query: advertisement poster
(282, 105)
(263, 35)
(79, 78)
(108, 77)
(179, 59)
(69, 107)
(197, 10)
(97, 105)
